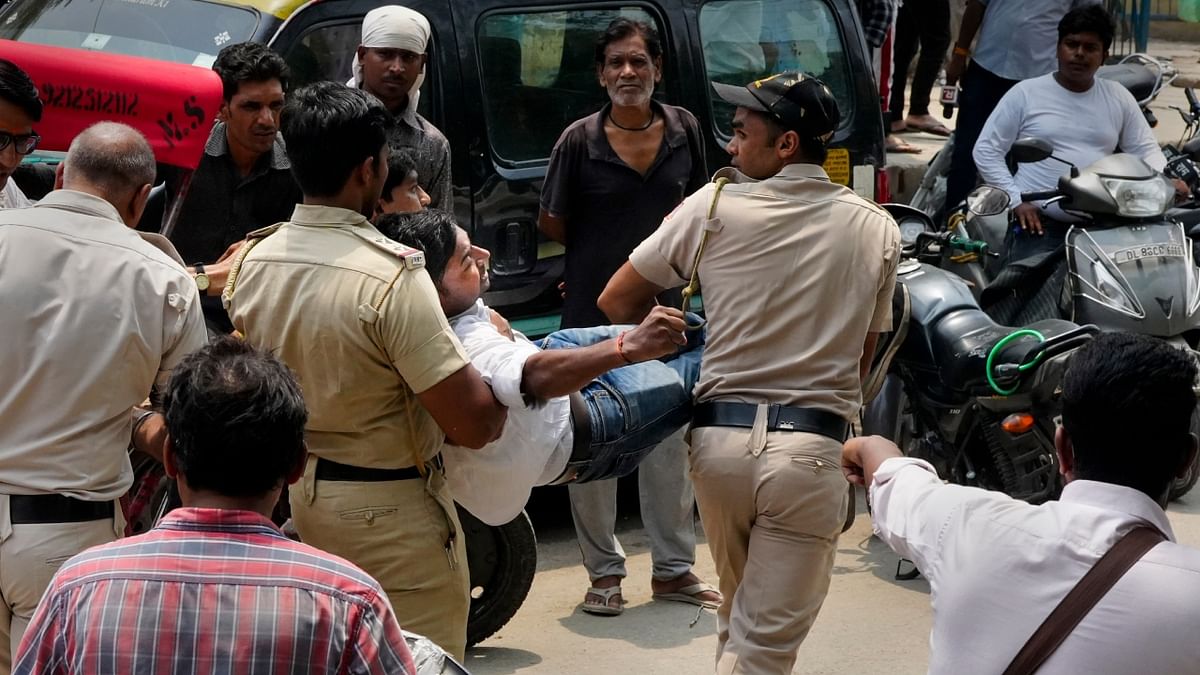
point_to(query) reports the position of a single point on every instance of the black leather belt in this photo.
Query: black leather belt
(39, 509)
(581, 443)
(779, 418)
(330, 470)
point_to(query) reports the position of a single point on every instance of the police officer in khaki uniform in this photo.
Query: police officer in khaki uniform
(797, 275)
(386, 382)
(93, 316)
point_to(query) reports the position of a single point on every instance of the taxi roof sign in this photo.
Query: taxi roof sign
(172, 104)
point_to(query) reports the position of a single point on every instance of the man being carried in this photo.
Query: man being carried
(390, 63)
(590, 404)
(215, 587)
(998, 566)
(1084, 118)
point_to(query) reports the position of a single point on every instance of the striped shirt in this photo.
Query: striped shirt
(212, 591)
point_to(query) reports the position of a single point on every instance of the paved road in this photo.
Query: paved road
(870, 622)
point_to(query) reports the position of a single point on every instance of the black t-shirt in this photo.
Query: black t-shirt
(222, 206)
(608, 207)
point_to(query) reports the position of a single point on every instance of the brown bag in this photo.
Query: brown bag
(1103, 576)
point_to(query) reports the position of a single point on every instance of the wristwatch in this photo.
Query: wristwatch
(201, 278)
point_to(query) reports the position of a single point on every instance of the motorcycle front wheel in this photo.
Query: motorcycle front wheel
(502, 561)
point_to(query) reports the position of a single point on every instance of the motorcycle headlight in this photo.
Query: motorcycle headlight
(1140, 198)
(1111, 289)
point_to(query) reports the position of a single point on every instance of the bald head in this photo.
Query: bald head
(112, 161)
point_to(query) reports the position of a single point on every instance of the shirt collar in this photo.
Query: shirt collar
(218, 146)
(1112, 497)
(812, 171)
(81, 202)
(326, 216)
(597, 142)
(223, 520)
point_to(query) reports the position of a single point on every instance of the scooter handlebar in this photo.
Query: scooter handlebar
(1039, 196)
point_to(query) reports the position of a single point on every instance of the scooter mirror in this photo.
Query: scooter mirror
(986, 200)
(1029, 149)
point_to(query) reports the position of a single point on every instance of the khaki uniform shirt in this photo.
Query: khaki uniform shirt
(357, 317)
(796, 273)
(92, 315)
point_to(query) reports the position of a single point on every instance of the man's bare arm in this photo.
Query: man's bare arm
(972, 18)
(552, 226)
(862, 456)
(558, 372)
(628, 297)
(464, 406)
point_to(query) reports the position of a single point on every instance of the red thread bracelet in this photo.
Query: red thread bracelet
(621, 346)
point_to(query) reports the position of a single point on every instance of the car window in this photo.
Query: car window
(744, 40)
(539, 75)
(183, 32)
(326, 52)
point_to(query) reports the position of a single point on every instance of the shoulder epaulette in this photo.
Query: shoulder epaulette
(414, 259)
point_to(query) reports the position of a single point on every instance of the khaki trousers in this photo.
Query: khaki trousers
(772, 505)
(404, 533)
(29, 557)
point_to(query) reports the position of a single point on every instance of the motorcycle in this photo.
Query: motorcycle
(976, 399)
(1125, 266)
(1144, 77)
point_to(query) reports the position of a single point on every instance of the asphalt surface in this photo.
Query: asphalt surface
(870, 623)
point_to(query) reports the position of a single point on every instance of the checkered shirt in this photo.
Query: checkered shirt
(212, 591)
(877, 19)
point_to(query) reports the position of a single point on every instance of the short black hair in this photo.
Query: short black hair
(813, 150)
(236, 419)
(249, 62)
(329, 129)
(1127, 407)
(1091, 19)
(401, 162)
(624, 27)
(17, 88)
(432, 230)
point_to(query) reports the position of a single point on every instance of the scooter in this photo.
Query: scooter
(976, 399)
(1128, 267)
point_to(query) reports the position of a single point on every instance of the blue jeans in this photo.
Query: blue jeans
(633, 408)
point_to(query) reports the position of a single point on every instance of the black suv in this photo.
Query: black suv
(505, 78)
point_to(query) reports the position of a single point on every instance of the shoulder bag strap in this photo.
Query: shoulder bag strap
(694, 282)
(1103, 575)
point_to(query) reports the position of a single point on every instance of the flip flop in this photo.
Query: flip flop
(937, 129)
(898, 146)
(688, 594)
(603, 608)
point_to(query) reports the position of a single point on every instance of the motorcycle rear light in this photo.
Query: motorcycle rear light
(1140, 198)
(1017, 423)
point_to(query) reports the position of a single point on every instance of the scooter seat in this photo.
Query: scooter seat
(1138, 79)
(963, 340)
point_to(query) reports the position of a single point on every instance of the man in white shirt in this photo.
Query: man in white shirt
(998, 566)
(589, 404)
(1016, 42)
(1084, 118)
(20, 109)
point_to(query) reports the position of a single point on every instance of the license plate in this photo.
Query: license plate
(1135, 253)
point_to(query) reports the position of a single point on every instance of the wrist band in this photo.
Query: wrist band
(621, 346)
(961, 51)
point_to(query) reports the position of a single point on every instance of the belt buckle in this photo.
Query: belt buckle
(773, 423)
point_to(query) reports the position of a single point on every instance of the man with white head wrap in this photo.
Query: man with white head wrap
(390, 63)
